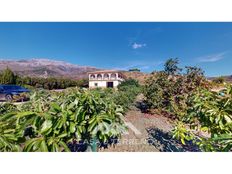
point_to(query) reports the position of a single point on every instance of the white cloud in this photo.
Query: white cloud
(212, 57)
(137, 45)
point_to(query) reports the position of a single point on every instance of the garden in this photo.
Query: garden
(72, 120)
(202, 115)
(183, 101)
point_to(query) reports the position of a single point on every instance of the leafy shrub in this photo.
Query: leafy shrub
(124, 96)
(127, 93)
(7, 107)
(51, 82)
(51, 121)
(211, 112)
(8, 77)
(169, 90)
(219, 80)
(128, 83)
(134, 70)
(156, 90)
(171, 66)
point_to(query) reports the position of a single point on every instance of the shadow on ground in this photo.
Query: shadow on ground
(142, 106)
(166, 143)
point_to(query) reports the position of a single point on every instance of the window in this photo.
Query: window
(113, 76)
(92, 76)
(106, 76)
(120, 76)
(99, 76)
(95, 84)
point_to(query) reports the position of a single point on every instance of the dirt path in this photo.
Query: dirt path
(137, 139)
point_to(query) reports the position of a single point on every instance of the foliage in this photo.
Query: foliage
(51, 82)
(6, 107)
(7, 77)
(170, 93)
(171, 66)
(194, 78)
(134, 70)
(51, 120)
(128, 83)
(211, 112)
(218, 80)
(180, 132)
(197, 109)
(156, 90)
(127, 93)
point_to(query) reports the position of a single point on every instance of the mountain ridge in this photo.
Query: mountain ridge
(41, 67)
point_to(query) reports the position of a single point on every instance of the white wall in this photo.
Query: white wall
(102, 83)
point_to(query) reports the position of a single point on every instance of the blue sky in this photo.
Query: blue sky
(122, 45)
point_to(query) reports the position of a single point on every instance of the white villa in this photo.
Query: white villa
(105, 79)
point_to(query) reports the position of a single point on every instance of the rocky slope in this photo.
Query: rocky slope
(46, 68)
(53, 68)
(140, 76)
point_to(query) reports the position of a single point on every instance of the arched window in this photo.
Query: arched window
(120, 76)
(99, 76)
(106, 76)
(92, 76)
(113, 76)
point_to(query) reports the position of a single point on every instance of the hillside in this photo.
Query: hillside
(52, 68)
(226, 78)
(140, 76)
(46, 68)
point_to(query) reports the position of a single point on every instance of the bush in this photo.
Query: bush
(127, 93)
(134, 70)
(51, 82)
(156, 90)
(51, 121)
(8, 77)
(218, 80)
(123, 96)
(169, 91)
(210, 112)
(128, 83)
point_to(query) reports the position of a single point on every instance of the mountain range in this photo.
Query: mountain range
(53, 68)
(46, 68)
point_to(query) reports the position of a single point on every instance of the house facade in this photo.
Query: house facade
(105, 79)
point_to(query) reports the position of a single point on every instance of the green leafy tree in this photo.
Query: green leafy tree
(134, 70)
(156, 90)
(210, 112)
(128, 83)
(8, 77)
(194, 77)
(52, 121)
(169, 91)
(171, 66)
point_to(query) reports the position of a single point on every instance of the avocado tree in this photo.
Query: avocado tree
(53, 121)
